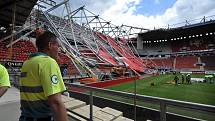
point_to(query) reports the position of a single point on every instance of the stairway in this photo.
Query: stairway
(80, 110)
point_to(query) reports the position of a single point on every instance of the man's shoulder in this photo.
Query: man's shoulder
(2, 67)
(3, 70)
(42, 59)
(50, 60)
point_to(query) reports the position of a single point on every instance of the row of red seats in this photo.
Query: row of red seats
(167, 62)
(128, 57)
(187, 62)
(64, 60)
(185, 46)
(19, 52)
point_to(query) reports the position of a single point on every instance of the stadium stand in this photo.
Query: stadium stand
(20, 51)
(161, 48)
(67, 65)
(188, 45)
(164, 63)
(209, 62)
(109, 57)
(187, 62)
(128, 57)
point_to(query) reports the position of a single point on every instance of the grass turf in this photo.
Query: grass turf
(164, 87)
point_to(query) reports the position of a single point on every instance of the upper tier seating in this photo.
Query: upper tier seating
(183, 46)
(156, 48)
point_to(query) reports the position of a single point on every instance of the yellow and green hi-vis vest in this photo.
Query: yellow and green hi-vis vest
(40, 78)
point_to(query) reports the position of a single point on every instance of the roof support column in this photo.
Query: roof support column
(139, 43)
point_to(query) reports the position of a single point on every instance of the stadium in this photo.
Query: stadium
(114, 73)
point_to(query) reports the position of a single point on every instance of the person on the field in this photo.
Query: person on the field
(4, 80)
(176, 80)
(182, 78)
(188, 79)
(41, 83)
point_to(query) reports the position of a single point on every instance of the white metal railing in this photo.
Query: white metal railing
(163, 102)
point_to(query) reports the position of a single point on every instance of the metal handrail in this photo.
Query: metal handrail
(162, 101)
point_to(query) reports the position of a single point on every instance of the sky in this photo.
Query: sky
(148, 13)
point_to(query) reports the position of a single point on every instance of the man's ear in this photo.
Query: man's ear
(49, 45)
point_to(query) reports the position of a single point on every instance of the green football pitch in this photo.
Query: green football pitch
(164, 86)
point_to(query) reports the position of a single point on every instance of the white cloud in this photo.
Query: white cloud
(96, 6)
(120, 13)
(181, 10)
(124, 11)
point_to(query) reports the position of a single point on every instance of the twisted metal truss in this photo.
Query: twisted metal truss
(79, 33)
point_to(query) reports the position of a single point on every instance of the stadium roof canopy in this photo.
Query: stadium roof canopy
(23, 9)
(167, 34)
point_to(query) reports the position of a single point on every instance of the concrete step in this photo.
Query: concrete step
(73, 104)
(66, 99)
(121, 118)
(105, 114)
(111, 111)
(74, 117)
(99, 114)
(85, 110)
